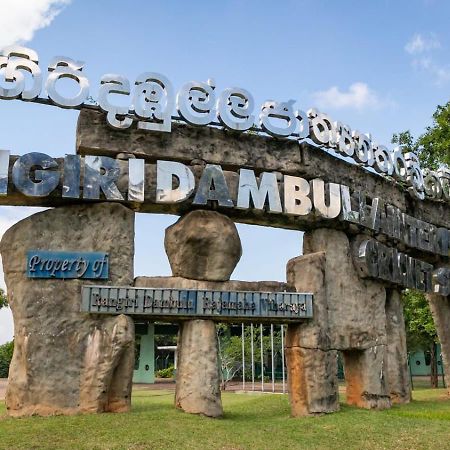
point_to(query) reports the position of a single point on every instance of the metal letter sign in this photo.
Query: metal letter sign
(151, 101)
(189, 303)
(45, 264)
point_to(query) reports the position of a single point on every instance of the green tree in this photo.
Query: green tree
(230, 352)
(3, 299)
(433, 150)
(433, 145)
(436, 139)
(421, 332)
(6, 352)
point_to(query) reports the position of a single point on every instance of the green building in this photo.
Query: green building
(420, 362)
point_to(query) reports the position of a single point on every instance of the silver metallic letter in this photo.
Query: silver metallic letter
(114, 84)
(280, 111)
(399, 164)
(4, 169)
(347, 213)
(153, 102)
(432, 184)
(234, 109)
(165, 172)
(196, 101)
(101, 172)
(366, 259)
(15, 59)
(345, 143)
(136, 177)
(296, 200)
(363, 148)
(415, 175)
(44, 182)
(444, 177)
(71, 177)
(321, 128)
(213, 177)
(268, 190)
(62, 67)
(320, 201)
(383, 161)
(441, 281)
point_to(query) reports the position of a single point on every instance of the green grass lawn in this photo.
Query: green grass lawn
(251, 421)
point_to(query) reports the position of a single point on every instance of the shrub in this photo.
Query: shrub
(166, 373)
(6, 352)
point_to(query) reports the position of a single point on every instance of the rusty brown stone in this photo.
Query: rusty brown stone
(348, 315)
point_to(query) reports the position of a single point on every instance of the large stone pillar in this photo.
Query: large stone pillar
(440, 309)
(397, 355)
(66, 361)
(348, 315)
(203, 245)
(311, 360)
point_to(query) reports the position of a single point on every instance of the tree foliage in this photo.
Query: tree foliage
(3, 299)
(433, 146)
(433, 149)
(420, 329)
(6, 352)
(230, 352)
(421, 334)
(436, 139)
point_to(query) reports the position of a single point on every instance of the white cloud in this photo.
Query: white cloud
(358, 96)
(439, 73)
(421, 44)
(20, 19)
(421, 47)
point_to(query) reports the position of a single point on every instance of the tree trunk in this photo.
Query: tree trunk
(433, 363)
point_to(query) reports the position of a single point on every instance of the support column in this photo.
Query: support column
(311, 363)
(440, 309)
(365, 378)
(348, 315)
(65, 361)
(203, 245)
(397, 356)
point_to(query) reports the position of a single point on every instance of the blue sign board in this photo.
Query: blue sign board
(67, 265)
(167, 303)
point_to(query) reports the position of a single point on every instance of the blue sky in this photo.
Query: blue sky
(379, 66)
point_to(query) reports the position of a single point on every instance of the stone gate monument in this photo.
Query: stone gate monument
(375, 223)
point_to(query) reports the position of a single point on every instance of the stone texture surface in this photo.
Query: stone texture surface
(66, 361)
(365, 379)
(231, 285)
(440, 309)
(186, 143)
(234, 150)
(203, 245)
(349, 315)
(312, 380)
(198, 379)
(397, 356)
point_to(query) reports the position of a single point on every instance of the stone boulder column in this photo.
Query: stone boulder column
(397, 356)
(202, 245)
(311, 360)
(65, 361)
(348, 315)
(440, 309)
